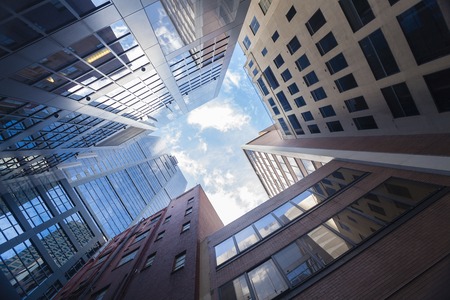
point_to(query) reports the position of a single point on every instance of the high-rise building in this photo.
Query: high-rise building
(351, 67)
(79, 74)
(278, 169)
(158, 258)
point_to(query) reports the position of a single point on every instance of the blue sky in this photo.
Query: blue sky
(207, 143)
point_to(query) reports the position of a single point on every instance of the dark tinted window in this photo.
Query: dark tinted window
(426, 30)
(278, 61)
(302, 62)
(284, 101)
(300, 101)
(367, 122)
(262, 86)
(286, 75)
(310, 78)
(246, 42)
(439, 86)
(313, 128)
(318, 94)
(254, 25)
(399, 100)
(327, 111)
(327, 43)
(293, 45)
(316, 22)
(358, 13)
(264, 51)
(334, 126)
(291, 13)
(284, 126)
(356, 104)
(293, 89)
(307, 116)
(378, 55)
(295, 124)
(274, 107)
(392, 2)
(346, 83)
(275, 36)
(273, 82)
(336, 64)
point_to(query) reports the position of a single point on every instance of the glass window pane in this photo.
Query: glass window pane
(85, 7)
(225, 251)
(246, 237)
(266, 225)
(235, 290)
(50, 16)
(16, 33)
(57, 244)
(307, 200)
(267, 281)
(326, 243)
(287, 212)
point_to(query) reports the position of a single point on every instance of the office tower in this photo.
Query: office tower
(277, 169)
(351, 68)
(76, 73)
(46, 235)
(121, 185)
(158, 258)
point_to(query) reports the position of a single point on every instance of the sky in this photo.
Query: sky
(207, 144)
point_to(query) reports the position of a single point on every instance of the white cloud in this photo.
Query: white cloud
(190, 166)
(233, 78)
(220, 115)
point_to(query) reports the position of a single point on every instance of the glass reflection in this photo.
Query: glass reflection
(246, 237)
(235, 290)
(267, 281)
(287, 212)
(57, 244)
(266, 225)
(9, 228)
(324, 242)
(225, 251)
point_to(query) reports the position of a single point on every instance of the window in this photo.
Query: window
(167, 219)
(302, 62)
(185, 226)
(334, 126)
(286, 75)
(264, 51)
(188, 211)
(274, 107)
(141, 237)
(275, 36)
(399, 100)
(127, 258)
(266, 281)
(190, 200)
(336, 64)
(160, 235)
(246, 237)
(293, 45)
(262, 86)
(250, 64)
(363, 123)
(278, 61)
(284, 126)
(255, 72)
(150, 260)
(346, 83)
(392, 2)
(356, 104)
(313, 128)
(284, 101)
(307, 116)
(327, 111)
(291, 13)
(310, 78)
(235, 289)
(296, 124)
(101, 294)
(327, 43)
(315, 22)
(300, 101)
(179, 262)
(293, 89)
(378, 55)
(246, 42)
(225, 251)
(425, 26)
(439, 86)
(266, 225)
(254, 25)
(271, 79)
(264, 5)
(318, 94)
(357, 12)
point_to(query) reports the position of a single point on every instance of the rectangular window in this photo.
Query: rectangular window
(378, 55)
(313, 128)
(310, 78)
(425, 26)
(293, 45)
(180, 261)
(255, 72)
(235, 289)
(246, 42)
(271, 79)
(291, 13)
(188, 211)
(150, 260)
(326, 44)
(346, 83)
(141, 237)
(336, 64)
(128, 257)
(264, 5)
(250, 64)
(307, 116)
(160, 235)
(315, 22)
(190, 200)
(293, 89)
(254, 25)
(284, 101)
(275, 36)
(284, 126)
(302, 62)
(439, 86)
(266, 281)
(278, 61)
(357, 12)
(167, 219)
(300, 101)
(225, 251)
(286, 75)
(262, 86)
(264, 51)
(318, 94)
(246, 237)
(399, 100)
(296, 124)
(356, 104)
(327, 111)
(266, 225)
(335, 126)
(363, 123)
(274, 107)
(186, 226)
